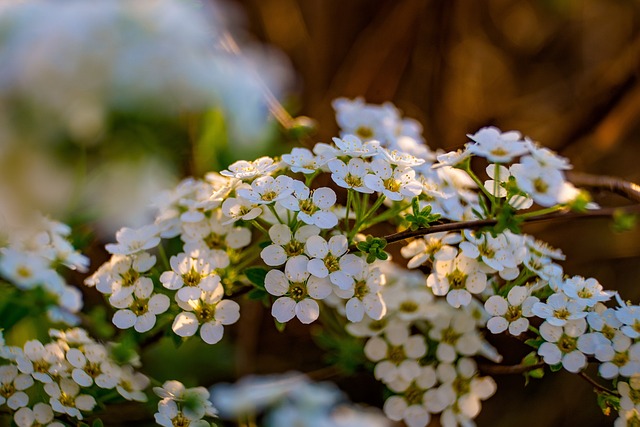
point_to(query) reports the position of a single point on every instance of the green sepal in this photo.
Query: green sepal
(534, 342)
(607, 402)
(256, 276)
(279, 326)
(556, 367)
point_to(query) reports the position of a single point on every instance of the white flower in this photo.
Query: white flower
(329, 259)
(267, 189)
(499, 175)
(510, 313)
(193, 402)
(545, 185)
(213, 234)
(436, 246)
(397, 355)
(285, 244)
(121, 272)
(40, 415)
(559, 309)
(301, 160)
(131, 384)
(350, 175)
(251, 394)
(189, 276)
(546, 157)
(409, 304)
(65, 398)
(42, 361)
(457, 279)
(496, 146)
(239, 208)
(618, 357)
(298, 291)
(245, 170)
(209, 312)
(170, 415)
(352, 146)
(497, 252)
(131, 241)
(629, 315)
(455, 331)
(140, 308)
(368, 121)
(562, 344)
(12, 384)
(400, 158)
(22, 268)
(587, 291)
(461, 391)
(92, 364)
(627, 418)
(364, 294)
(312, 206)
(408, 406)
(629, 394)
(395, 183)
(452, 158)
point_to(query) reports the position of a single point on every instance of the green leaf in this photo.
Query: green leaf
(623, 221)
(256, 276)
(607, 402)
(98, 423)
(257, 294)
(534, 342)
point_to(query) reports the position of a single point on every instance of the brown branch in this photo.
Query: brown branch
(615, 185)
(509, 369)
(598, 387)
(475, 224)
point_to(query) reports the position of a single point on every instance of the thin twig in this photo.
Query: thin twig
(475, 224)
(509, 369)
(615, 185)
(595, 384)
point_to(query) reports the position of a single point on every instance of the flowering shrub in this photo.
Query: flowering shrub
(410, 254)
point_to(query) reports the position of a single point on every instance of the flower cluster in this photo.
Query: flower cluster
(273, 228)
(32, 260)
(291, 399)
(180, 406)
(69, 375)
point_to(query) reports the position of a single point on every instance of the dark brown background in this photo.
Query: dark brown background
(563, 72)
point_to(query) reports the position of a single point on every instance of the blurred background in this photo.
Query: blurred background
(563, 72)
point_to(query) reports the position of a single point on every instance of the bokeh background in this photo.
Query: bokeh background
(564, 72)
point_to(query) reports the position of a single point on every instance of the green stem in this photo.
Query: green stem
(385, 215)
(540, 212)
(163, 257)
(496, 184)
(257, 225)
(310, 177)
(273, 209)
(480, 185)
(348, 209)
